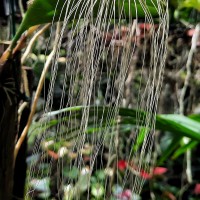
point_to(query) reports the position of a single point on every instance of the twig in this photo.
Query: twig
(21, 7)
(188, 68)
(20, 110)
(188, 78)
(24, 73)
(37, 94)
(31, 43)
(25, 55)
(16, 45)
(21, 42)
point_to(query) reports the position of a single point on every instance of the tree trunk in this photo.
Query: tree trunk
(20, 164)
(9, 93)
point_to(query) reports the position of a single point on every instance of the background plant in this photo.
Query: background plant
(128, 126)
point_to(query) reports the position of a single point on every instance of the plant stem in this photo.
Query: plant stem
(37, 94)
(187, 83)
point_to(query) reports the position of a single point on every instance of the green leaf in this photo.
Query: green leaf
(140, 139)
(184, 148)
(100, 174)
(173, 145)
(195, 117)
(190, 4)
(72, 174)
(188, 12)
(187, 16)
(97, 190)
(178, 124)
(83, 182)
(47, 11)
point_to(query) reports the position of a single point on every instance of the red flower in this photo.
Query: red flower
(53, 154)
(169, 195)
(197, 189)
(122, 165)
(156, 172)
(145, 175)
(159, 170)
(190, 32)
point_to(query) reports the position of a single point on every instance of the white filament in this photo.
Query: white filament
(84, 73)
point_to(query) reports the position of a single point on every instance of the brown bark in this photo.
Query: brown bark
(9, 95)
(20, 164)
